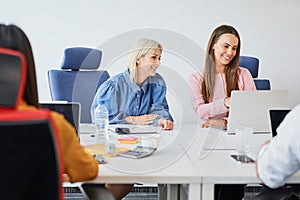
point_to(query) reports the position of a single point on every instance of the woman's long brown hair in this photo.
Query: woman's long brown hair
(231, 70)
(12, 37)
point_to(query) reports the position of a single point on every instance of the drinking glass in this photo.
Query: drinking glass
(244, 137)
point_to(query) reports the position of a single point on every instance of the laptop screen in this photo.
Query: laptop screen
(251, 109)
(70, 110)
(276, 117)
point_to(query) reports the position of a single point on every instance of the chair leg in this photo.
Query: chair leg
(119, 190)
(97, 191)
(162, 191)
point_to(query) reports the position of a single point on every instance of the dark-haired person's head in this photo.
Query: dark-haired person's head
(12, 37)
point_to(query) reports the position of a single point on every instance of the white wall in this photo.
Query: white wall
(269, 29)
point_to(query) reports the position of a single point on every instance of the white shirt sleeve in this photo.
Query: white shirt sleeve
(281, 158)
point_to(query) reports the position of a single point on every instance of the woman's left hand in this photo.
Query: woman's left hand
(165, 124)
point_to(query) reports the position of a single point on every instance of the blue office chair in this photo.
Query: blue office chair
(252, 64)
(262, 84)
(31, 159)
(78, 79)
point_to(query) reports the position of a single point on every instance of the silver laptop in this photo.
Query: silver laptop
(251, 109)
(71, 111)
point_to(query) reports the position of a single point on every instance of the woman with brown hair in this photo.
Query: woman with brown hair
(210, 90)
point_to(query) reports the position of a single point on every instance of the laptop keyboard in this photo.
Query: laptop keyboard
(73, 193)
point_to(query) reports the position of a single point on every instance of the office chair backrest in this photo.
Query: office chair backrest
(252, 64)
(12, 78)
(262, 84)
(31, 167)
(78, 79)
(31, 163)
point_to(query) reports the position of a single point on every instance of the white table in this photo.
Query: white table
(217, 167)
(168, 165)
(187, 155)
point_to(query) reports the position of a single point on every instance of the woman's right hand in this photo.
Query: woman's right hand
(214, 123)
(142, 119)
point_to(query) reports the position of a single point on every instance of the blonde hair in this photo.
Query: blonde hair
(142, 47)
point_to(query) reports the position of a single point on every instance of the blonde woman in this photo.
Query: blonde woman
(138, 95)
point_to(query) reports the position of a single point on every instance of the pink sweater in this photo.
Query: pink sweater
(216, 108)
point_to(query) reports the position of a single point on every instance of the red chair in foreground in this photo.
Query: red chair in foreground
(31, 161)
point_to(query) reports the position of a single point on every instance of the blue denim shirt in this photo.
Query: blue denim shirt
(123, 98)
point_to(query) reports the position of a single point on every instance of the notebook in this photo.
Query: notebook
(71, 111)
(276, 117)
(251, 109)
(138, 152)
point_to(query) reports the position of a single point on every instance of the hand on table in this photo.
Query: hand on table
(142, 119)
(165, 124)
(215, 123)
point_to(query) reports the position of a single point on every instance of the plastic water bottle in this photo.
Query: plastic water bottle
(101, 121)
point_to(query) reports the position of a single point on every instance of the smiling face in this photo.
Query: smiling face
(148, 64)
(225, 49)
